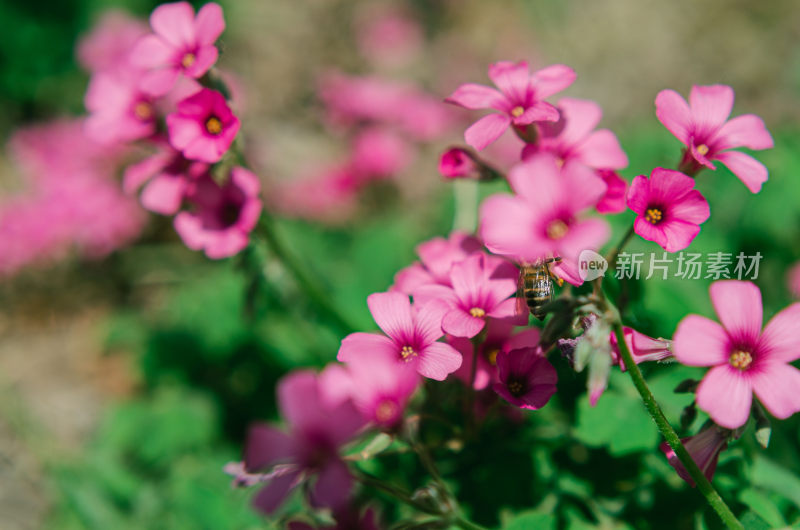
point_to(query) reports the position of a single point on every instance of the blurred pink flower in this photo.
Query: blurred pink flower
(704, 448)
(388, 37)
(669, 210)
(118, 110)
(181, 43)
(412, 335)
(379, 153)
(743, 359)
(482, 289)
(704, 128)
(203, 126)
(519, 102)
(458, 163)
(642, 347)
(108, 46)
(573, 137)
(542, 220)
(220, 217)
(793, 280)
(614, 199)
(326, 194)
(526, 378)
(317, 429)
(437, 258)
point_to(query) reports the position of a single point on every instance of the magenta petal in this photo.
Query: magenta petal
(159, 82)
(295, 392)
(748, 169)
(711, 106)
(428, 320)
(504, 222)
(590, 234)
(271, 496)
(650, 232)
(542, 385)
(776, 385)
(602, 150)
(209, 23)
(539, 111)
(460, 323)
(552, 79)
(581, 116)
(699, 341)
(204, 60)
(738, 306)
(678, 234)
(507, 309)
(392, 313)
(265, 447)
(333, 485)
(164, 194)
(527, 338)
(151, 51)
(747, 130)
(726, 395)
(174, 23)
(781, 340)
(358, 344)
(438, 360)
(692, 208)
(639, 194)
(578, 176)
(673, 112)
(511, 78)
(472, 96)
(434, 291)
(486, 130)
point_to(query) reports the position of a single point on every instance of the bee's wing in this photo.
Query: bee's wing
(522, 306)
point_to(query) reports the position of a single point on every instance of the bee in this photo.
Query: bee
(535, 286)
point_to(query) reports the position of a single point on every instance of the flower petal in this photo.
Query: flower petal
(551, 80)
(265, 447)
(602, 150)
(673, 112)
(748, 169)
(174, 23)
(392, 313)
(438, 360)
(747, 130)
(357, 344)
(209, 23)
(700, 341)
(271, 496)
(726, 395)
(511, 78)
(781, 338)
(460, 323)
(473, 96)
(776, 384)
(486, 130)
(692, 208)
(333, 485)
(738, 306)
(711, 105)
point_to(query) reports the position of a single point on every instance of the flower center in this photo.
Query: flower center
(517, 111)
(702, 149)
(515, 388)
(492, 356)
(741, 360)
(653, 215)
(557, 229)
(477, 312)
(408, 353)
(143, 110)
(386, 411)
(560, 162)
(188, 60)
(213, 125)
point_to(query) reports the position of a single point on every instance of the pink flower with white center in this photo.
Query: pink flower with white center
(616, 187)
(500, 336)
(527, 379)
(704, 448)
(793, 280)
(743, 358)
(437, 258)
(481, 289)
(118, 111)
(703, 127)
(108, 46)
(412, 336)
(182, 43)
(203, 126)
(317, 429)
(166, 177)
(543, 219)
(519, 102)
(220, 217)
(573, 137)
(378, 386)
(642, 347)
(669, 209)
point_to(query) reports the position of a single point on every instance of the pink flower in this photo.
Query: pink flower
(377, 385)
(317, 429)
(573, 137)
(326, 193)
(437, 258)
(389, 38)
(743, 358)
(221, 217)
(203, 127)
(379, 153)
(704, 128)
(481, 289)
(669, 209)
(527, 379)
(614, 199)
(499, 337)
(107, 48)
(458, 163)
(542, 220)
(118, 111)
(704, 448)
(412, 336)
(181, 43)
(793, 280)
(166, 177)
(519, 102)
(642, 347)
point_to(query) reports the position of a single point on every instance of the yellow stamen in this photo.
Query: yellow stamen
(741, 359)
(477, 312)
(143, 110)
(408, 353)
(557, 229)
(188, 60)
(560, 162)
(492, 357)
(386, 411)
(517, 111)
(702, 149)
(213, 125)
(515, 387)
(653, 216)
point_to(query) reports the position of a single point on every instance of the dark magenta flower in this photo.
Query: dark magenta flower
(704, 448)
(527, 379)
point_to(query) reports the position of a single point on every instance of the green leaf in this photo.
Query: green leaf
(772, 477)
(763, 506)
(530, 519)
(618, 422)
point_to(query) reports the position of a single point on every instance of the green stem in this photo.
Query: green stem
(671, 436)
(314, 292)
(394, 491)
(612, 257)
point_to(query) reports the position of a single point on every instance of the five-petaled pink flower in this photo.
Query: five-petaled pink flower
(519, 102)
(203, 127)
(669, 209)
(118, 110)
(482, 288)
(542, 220)
(318, 427)
(527, 379)
(221, 217)
(703, 127)
(743, 358)
(412, 336)
(181, 43)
